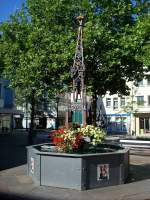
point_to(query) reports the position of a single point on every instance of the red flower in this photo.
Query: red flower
(56, 136)
(78, 141)
(61, 140)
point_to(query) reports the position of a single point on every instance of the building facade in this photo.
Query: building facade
(116, 118)
(45, 114)
(10, 117)
(129, 114)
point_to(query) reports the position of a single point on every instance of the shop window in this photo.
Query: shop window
(140, 100)
(144, 125)
(122, 101)
(147, 123)
(141, 123)
(115, 103)
(118, 119)
(108, 102)
(18, 123)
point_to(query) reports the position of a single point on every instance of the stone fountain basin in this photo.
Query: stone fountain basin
(78, 171)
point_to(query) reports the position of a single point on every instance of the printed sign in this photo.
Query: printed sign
(32, 165)
(76, 106)
(102, 172)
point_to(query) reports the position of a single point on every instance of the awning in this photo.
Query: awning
(119, 115)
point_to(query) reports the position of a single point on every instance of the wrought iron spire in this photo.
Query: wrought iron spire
(78, 72)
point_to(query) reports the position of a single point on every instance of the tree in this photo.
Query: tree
(39, 44)
(113, 39)
(27, 60)
(145, 55)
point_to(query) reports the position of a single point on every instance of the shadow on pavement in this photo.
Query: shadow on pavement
(13, 149)
(11, 196)
(139, 172)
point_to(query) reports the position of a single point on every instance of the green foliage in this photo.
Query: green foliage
(38, 44)
(145, 36)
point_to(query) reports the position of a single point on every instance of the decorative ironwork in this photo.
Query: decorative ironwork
(78, 72)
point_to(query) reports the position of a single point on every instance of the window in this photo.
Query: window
(148, 81)
(144, 125)
(122, 101)
(148, 100)
(140, 100)
(147, 123)
(115, 103)
(141, 123)
(108, 102)
(140, 83)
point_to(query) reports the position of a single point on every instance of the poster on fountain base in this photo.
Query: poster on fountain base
(102, 172)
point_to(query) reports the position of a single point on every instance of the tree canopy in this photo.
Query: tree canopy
(38, 43)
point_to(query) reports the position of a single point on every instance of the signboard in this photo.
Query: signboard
(76, 106)
(32, 165)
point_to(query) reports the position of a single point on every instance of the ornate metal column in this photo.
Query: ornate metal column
(78, 75)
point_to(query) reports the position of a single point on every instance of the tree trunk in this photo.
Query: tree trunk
(94, 107)
(26, 115)
(30, 138)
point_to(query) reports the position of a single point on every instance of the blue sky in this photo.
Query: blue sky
(8, 7)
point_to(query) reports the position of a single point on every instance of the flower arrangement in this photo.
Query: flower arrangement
(75, 139)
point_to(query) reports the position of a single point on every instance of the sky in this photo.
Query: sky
(8, 7)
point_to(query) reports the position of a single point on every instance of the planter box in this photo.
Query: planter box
(78, 171)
